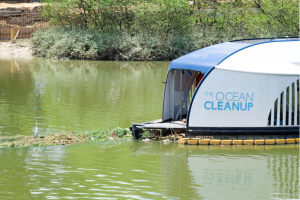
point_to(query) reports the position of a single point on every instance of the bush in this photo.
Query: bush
(92, 44)
(163, 16)
(119, 15)
(55, 43)
(156, 29)
(251, 19)
(166, 16)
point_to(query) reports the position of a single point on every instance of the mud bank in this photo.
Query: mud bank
(19, 49)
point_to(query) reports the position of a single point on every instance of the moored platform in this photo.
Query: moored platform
(166, 127)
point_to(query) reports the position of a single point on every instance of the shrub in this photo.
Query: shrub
(92, 44)
(163, 16)
(156, 29)
(55, 43)
(253, 18)
(119, 15)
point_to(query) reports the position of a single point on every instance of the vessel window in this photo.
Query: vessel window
(179, 90)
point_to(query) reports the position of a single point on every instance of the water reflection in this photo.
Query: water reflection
(137, 170)
(78, 95)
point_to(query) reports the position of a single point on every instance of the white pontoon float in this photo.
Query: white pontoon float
(243, 89)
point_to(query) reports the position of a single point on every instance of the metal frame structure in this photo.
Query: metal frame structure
(26, 23)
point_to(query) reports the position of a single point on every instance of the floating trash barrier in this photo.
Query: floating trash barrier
(181, 140)
(198, 141)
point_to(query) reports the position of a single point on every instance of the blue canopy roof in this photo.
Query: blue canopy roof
(207, 58)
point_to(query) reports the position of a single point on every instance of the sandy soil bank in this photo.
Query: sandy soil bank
(19, 5)
(19, 49)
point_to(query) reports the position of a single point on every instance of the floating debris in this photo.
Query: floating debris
(147, 140)
(166, 141)
(65, 139)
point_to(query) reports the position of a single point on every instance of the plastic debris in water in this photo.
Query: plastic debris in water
(36, 131)
(166, 141)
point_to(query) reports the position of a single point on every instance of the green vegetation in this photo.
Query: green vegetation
(91, 44)
(156, 30)
(107, 134)
(119, 15)
(146, 134)
(66, 139)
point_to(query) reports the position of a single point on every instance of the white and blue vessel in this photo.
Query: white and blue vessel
(244, 89)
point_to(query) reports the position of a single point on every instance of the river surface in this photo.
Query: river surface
(87, 95)
(78, 95)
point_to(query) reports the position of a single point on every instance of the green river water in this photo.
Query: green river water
(88, 95)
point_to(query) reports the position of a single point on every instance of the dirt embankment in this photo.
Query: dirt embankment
(19, 49)
(19, 5)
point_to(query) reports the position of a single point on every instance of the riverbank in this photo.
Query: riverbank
(155, 30)
(22, 6)
(65, 138)
(19, 49)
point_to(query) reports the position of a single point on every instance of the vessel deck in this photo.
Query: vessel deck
(157, 124)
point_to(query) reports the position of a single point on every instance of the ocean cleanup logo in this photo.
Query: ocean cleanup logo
(229, 101)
